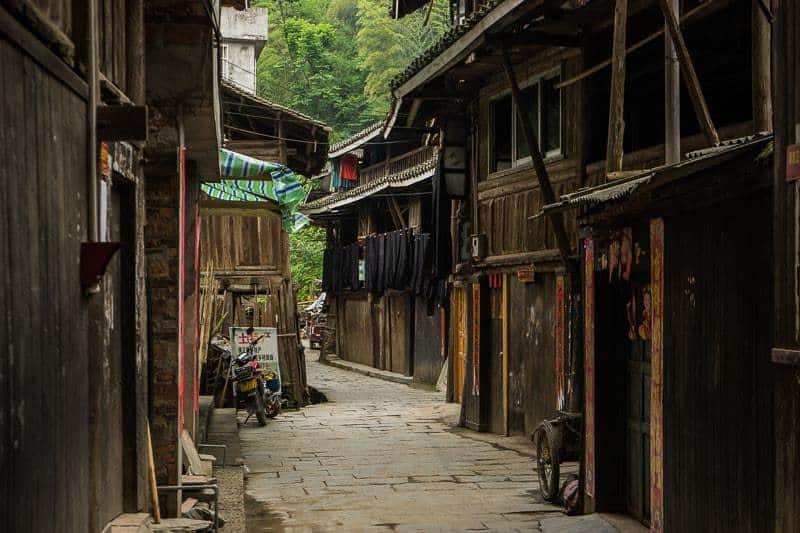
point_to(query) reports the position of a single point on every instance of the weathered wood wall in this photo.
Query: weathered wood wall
(45, 366)
(374, 330)
(112, 26)
(232, 241)
(427, 344)
(61, 400)
(355, 331)
(786, 73)
(532, 378)
(717, 379)
(396, 346)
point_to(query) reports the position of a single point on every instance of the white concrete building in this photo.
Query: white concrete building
(244, 34)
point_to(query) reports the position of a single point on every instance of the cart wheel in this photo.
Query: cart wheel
(547, 464)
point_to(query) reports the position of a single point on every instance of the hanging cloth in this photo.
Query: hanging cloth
(348, 169)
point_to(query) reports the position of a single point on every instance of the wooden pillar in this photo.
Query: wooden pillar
(504, 305)
(657, 376)
(687, 67)
(134, 81)
(762, 73)
(588, 376)
(616, 120)
(672, 96)
(786, 220)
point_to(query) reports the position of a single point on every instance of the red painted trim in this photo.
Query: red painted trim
(657, 376)
(476, 339)
(588, 366)
(196, 342)
(559, 338)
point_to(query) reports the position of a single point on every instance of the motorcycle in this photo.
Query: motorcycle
(255, 390)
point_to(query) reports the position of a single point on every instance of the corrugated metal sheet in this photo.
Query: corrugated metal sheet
(648, 179)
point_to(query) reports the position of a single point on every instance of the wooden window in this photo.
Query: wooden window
(501, 141)
(507, 145)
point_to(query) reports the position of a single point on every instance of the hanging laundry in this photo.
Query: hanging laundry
(348, 169)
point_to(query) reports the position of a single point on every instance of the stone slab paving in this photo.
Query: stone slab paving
(384, 456)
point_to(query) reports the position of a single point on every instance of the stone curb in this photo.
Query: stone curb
(367, 371)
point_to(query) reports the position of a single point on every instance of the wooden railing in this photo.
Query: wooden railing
(396, 164)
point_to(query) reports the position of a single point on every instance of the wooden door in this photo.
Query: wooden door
(637, 295)
(459, 341)
(638, 429)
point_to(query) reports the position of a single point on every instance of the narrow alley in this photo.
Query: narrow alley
(385, 456)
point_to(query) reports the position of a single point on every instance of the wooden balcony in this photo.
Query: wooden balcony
(396, 165)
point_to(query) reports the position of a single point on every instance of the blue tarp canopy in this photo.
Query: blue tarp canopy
(247, 179)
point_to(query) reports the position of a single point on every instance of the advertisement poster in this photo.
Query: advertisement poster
(263, 342)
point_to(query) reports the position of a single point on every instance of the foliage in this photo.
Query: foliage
(333, 59)
(386, 46)
(306, 248)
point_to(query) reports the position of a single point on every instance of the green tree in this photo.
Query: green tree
(307, 246)
(386, 46)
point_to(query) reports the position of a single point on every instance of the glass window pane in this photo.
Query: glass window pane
(551, 114)
(531, 96)
(501, 134)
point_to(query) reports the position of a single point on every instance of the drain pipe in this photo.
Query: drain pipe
(91, 118)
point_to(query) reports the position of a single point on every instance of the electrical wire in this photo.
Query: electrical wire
(277, 138)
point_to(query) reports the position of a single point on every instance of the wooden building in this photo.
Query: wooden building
(73, 373)
(786, 227)
(677, 323)
(380, 265)
(244, 243)
(182, 152)
(585, 147)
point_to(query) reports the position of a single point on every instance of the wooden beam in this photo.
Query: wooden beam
(545, 187)
(689, 74)
(672, 98)
(762, 73)
(506, 326)
(688, 16)
(616, 106)
(566, 40)
(396, 214)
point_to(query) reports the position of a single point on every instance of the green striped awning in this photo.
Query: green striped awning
(247, 179)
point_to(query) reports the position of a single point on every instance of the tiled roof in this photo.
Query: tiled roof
(239, 91)
(443, 43)
(401, 179)
(355, 140)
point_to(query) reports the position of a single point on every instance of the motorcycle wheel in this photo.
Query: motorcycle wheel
(274, 408)
(261, 412)
(547, 464)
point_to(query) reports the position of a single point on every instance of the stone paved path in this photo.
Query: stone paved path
(383, 456)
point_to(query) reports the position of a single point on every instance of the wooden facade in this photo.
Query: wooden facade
(247, 252)
(667, 283)
(786, 344)
(75, 367)
(644, 356)
(399, 328)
